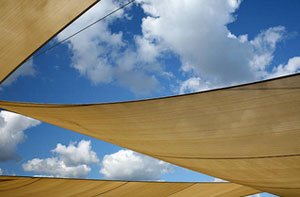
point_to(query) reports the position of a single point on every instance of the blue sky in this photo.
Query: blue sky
(151, 49)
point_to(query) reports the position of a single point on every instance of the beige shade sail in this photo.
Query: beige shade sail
(25, 25)
(246, 134)
(37, 186)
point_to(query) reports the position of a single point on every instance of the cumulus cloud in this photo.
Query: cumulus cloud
(56, 167)
(200, 37)
(71, 161)
(26, 69)
(194, 30)
(197, 31)
(12, 128)
(193, 84)
(72, 155)
(129, 165)
(105, 57)
(264, 45)
(92, 48)
(291, 67)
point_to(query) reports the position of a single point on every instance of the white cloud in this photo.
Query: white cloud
(255, 195)
(195, 30)
(26, 69)
(72, 155)
(268, 39)
(147, 51)
(1, 171)
(104, 57)
(139, 82)
(11, 131)
(193, 84)
(71, 161)
(92, 48)
(56, 167)
(129, 165)
(291, 67)
(40, 175)
(219, 180)
(264, 46)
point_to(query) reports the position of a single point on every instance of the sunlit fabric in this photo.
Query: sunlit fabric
(245, 134)
(35, 186)
(25, 25)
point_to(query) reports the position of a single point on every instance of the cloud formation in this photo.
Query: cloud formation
(12, 128)
(211, 54)
(194, 30)
(193, 84)
(71, 161)
(129, 165)
(105, 57)
(55, 167)
(291, 67)
(72, 155)
(199, 36)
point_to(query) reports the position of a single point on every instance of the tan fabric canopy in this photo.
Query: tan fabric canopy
(25, 25)
(29, 186)
(246, 134)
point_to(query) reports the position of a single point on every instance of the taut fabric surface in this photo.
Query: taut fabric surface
(35, 186)
(25, 25)
(245, 134)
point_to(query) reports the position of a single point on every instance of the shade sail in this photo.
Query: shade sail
(246, 134)
(25, 25)
(35, 186)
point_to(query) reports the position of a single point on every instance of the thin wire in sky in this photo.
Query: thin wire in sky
(81, 30)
